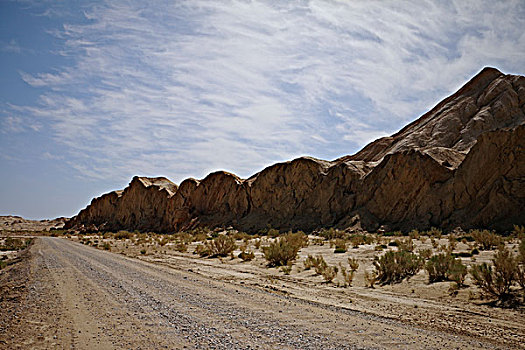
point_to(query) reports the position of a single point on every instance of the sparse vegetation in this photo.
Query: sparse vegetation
(486, 239)
(393, 266)
(220, 246)
(285, 248)
(496, 280)
(444, 267)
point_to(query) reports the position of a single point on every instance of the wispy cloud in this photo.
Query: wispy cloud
(183, 88)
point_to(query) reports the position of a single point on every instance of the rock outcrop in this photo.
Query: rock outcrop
(460, 164)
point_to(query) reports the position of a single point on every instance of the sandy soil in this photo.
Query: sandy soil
(67, 295)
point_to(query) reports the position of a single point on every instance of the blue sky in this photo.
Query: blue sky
(95, 92)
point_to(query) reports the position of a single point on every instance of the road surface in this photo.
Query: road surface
(84, 298)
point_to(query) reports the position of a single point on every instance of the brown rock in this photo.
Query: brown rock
(460, 164)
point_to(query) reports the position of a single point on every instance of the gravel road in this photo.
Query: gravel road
(84, 298)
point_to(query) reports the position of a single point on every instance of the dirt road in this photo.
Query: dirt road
(82, 298)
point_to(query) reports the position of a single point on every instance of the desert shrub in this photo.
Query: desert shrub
(273, 233)
(313, 261)
(287, 269)
(452, 242)
(393, 266)
(329, 273)
(331, 233)
(370, 278)
(457, 272)
(425, 253)
(340, 245)
(414, 234)
(13, 243)
(353, 264)
(406, 244)
(143, 251)
(379, 247)
(201, 250)
(348, 276)
(519, 231)
(106, 246)
(496, 281)
(123, 235)
(520, 269)
(220, 246)
(437, 267)
(284, 249)
(181, 247)
(444, 267)
(486, 239)
(298, 238)
(434, 232)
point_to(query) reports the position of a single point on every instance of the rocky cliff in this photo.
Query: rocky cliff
(460, 164)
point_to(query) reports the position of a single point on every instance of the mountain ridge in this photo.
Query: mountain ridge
(426, 174)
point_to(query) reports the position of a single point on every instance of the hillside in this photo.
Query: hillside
(460, 164)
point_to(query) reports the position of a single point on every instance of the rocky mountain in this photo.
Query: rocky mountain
(460, 164)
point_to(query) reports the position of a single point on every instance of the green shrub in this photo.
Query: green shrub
(393, 267)
(284, 249)
(123, 235)
(348, 276)
(340, 246)
(486, 239)
(201, 250)
(496, 281)
(438, 266)
(329, 273)
(425, 253)
(221, 246)
(181, 247)
(444, 267)
(313, 261)
(331, 233)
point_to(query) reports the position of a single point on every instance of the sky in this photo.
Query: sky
(95, 92)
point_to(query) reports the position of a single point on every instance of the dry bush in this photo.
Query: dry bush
(486, 239)
(434, 232)
(284, 249)
(331, 233)
(123, 235)
(444, 267)
(395, 266)
(496, 281)
(425, 253)
(313, 261)
(520, 269)
(405, 244)
(348, 275)
(201, 250)
(329, 273)
(370, 278)
(414, 234)
(353, 264)
(340, 246)
(519, 232)
(221, 246)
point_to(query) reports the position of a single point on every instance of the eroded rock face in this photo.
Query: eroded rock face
(460, 164)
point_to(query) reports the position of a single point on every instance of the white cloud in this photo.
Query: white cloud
(182, 88)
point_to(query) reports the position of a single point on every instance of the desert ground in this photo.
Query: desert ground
(146, 290)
